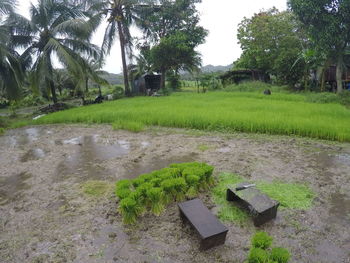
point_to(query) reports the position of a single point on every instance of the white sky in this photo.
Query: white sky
(220, 17)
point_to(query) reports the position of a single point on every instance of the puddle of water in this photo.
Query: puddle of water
(85, 163)
(145, 144)
(339, 212)
(33, 154)
(343, 159)
(156, 164)
(10, 187)
(224, 150)
(22, 137)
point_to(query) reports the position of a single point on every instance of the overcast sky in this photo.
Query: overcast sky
(220, 17)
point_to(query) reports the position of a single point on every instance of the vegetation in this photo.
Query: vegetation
(260, 251)
(155, 190)
(222, 111)
(96, 188)
(289, 195)
(272, 41)
(327, 24)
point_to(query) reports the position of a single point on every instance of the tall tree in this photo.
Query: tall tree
(163, 24)
(56, 28)
(121, 15)
(272, 42)
(328, 24)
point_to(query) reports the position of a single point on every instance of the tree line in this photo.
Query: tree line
(63, 29)
(298, 45)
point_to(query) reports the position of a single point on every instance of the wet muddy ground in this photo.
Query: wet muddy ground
(45, 216)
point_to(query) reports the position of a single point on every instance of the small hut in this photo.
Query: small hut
(237, 76)
(147, 84)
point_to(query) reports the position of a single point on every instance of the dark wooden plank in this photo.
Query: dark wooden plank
(206, 224)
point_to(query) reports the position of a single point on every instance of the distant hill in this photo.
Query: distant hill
(113, 79)
(211, 68)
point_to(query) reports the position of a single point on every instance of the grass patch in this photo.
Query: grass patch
(227, 211)
(203, 147)
(280, 113)
(96, 188)
(291, 196)
(132, 126)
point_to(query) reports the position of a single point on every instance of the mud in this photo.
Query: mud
(45, 217)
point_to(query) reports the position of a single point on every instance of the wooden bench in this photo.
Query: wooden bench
(212, 232)
(261, 207)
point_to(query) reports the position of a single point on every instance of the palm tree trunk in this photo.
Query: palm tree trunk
(53, 91)
(339, 73)
(122, 48)
(86, 84)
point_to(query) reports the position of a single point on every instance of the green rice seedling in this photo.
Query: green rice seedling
(258, 255)
(208, 170)
(122, 193)
(138, 181)
(193, 183)
(261, 240)
(156, 181)
(221, 111)
(197, 171)
(140, 199)
(125, 183)
(130, 210)
(174, 172)
(168, 187)
(146, 177)
(132, 126)
(180, 187)
(279, 255)
(155, 196)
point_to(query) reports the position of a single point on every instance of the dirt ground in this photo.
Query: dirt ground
(45, 216)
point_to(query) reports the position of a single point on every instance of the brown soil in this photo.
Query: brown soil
(45, 216)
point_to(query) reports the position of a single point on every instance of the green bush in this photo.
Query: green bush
(118, 92)
(261, 240)
(280, 255)
(260, 252)
(258, 255)
(344, 97)
(156, 189)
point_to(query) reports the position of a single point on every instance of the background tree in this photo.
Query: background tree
(165, 24)
(328, 25)
(272, 42)
(56, 28)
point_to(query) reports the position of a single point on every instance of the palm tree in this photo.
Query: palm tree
(121, 14)
(56, 28)
(11, 73)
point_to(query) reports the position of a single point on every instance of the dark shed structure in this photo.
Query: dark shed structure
(146, 82)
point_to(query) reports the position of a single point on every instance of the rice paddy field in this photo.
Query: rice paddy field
(280, 113)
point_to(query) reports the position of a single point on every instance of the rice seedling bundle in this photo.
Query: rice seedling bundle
(154, 191)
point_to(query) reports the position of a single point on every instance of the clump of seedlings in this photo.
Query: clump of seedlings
(154, 191)
(261, 251)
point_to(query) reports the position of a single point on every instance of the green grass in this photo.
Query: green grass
(96, 188)
(290, 196)
(280, 113)
(132, 126)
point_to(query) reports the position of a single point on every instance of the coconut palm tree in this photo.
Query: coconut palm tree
(11, 73)
(56, 29)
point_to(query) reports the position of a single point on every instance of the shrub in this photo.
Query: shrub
(258, 255)
(118, 92)
(261, 240)
(280, 255)
(344, 97)
(323, 97)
